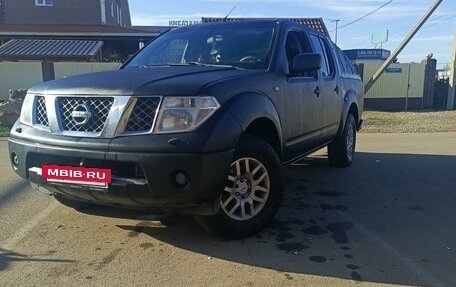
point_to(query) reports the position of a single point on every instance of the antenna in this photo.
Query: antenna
(226, 17)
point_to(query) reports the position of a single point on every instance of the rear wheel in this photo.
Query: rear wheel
(342, 150)
(252, 193)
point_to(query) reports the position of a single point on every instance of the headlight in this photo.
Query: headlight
(183, 114)
(26, 117)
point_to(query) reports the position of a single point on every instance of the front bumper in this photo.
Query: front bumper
(140, 179)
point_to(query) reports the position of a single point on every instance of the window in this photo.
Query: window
(112, 9)
(44, 2)
(346, 68)
(294, 46)
(319, 49)
(247, 46)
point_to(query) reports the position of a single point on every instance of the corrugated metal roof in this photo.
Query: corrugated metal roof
(50, 49)
(314, 23)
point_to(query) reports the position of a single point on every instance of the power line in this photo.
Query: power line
(364, 16)
(408, 26)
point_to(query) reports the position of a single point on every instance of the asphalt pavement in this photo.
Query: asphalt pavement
(389, 219)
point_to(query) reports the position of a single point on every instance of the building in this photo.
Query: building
(79, 12)
(403, 86)
(106, 21)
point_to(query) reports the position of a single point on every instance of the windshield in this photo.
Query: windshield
(243, 45)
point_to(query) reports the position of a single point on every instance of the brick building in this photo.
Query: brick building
(80, 12)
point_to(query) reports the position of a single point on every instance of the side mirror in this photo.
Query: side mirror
(306, 62)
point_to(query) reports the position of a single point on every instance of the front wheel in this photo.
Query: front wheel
(342, 150)
(252, 192)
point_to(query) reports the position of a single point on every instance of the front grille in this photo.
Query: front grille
(99, 109)
(143, 115)
(41, 112)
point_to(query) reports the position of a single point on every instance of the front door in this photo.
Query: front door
(301, 102)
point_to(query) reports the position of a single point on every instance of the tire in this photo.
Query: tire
(341, 151)
(252, 194)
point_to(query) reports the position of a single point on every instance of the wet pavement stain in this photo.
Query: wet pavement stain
(338, 230)
(279, 225)
(329, 193)
(288, 276)
(284, 236)
(352, 266)
(333, 207)
(291, 246)
(348, 256)
(108, 259)
(146, 246)
(318, 259)
(297, 221)
(345, 248)
(415, 208)
(355, 276)
(314, 230)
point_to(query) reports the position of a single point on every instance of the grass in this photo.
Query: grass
(4, 132)
(409, 122)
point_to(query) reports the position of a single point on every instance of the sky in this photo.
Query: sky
(398, 17)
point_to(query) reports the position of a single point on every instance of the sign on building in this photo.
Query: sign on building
(181, 23)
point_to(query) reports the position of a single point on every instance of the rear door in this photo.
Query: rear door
(331, 92)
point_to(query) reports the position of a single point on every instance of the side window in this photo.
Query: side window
(347, 69)
(295, 45)
(328, 56)
(318, 48)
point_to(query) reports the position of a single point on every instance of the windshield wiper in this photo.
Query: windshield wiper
(188, 64)
(210, 65)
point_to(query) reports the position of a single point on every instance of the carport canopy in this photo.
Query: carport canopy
(49, 50)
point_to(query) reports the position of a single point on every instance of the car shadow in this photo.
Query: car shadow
(389, 218)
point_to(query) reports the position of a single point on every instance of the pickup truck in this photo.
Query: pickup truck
(200, 121)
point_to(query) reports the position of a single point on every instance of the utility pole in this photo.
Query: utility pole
(337, 28)
(399, 49)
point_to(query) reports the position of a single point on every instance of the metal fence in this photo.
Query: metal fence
(23, 75)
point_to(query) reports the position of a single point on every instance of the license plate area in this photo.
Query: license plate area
(84, 176)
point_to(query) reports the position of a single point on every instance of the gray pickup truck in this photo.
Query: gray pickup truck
(200, 121)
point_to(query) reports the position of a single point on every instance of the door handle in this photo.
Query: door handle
(337, 89)
(317, 91)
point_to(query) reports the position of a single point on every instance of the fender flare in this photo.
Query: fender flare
(248, 107)
(349, 100)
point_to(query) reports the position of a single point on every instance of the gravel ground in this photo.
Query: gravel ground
(409, 122)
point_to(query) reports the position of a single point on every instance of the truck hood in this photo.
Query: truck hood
(164, 80)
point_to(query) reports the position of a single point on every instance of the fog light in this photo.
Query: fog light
(181, 179)
(15, 159)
